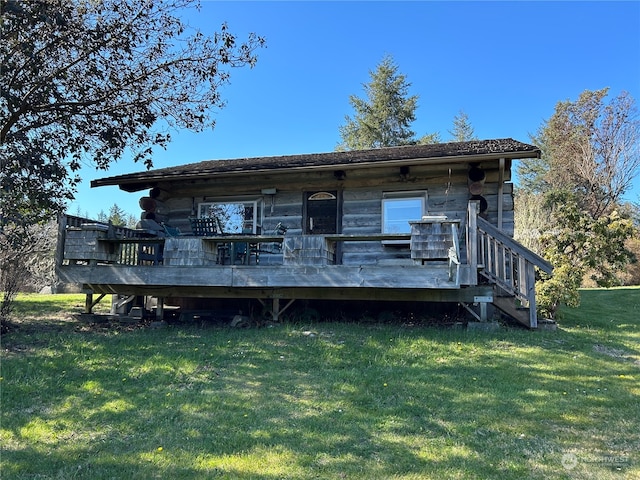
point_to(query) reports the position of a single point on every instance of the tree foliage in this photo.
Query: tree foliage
(117, 216)
(590, 155)
(590, 147)
(88, 81)
(578, 245)
(92, 79)
(26, 261)
(384, 117)
(430, 138)
(462, 129)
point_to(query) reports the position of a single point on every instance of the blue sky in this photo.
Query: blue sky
(505, 64)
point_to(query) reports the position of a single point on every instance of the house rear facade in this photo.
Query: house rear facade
(420, 223)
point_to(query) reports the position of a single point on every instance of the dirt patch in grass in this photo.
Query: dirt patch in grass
(617, 353)
(37, 326)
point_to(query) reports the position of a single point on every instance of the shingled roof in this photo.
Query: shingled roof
(435, 153)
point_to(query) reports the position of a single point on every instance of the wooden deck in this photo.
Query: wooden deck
(304, 267)
(190, 279)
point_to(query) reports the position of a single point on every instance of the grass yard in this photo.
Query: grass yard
(325, 400)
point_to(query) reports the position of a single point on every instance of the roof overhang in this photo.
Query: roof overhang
(383, 157)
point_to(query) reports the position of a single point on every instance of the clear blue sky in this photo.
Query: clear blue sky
(505, 64)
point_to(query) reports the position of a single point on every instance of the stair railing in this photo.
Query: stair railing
(505, 262)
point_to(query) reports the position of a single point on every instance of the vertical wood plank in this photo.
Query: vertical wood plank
(531, 287)
(490, 265)
(483, 250)
(513, 269)
(472, 237)
(522, 276)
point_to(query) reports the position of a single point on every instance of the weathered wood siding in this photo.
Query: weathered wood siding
(361, 193)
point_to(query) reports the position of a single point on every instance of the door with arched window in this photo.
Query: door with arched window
(321, 212)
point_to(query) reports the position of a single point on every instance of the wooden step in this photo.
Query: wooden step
(509, 306)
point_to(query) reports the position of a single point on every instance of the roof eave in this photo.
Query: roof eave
(134, 183)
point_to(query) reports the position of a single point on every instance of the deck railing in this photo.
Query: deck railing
(489, 251)
(83, 240)
(117, 230)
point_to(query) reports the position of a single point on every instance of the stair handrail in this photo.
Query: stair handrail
(506, 240)
(500, 258)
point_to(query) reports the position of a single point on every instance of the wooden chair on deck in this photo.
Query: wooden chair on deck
(244, 251)
(274, 247)
(171, 231)
(210, 227)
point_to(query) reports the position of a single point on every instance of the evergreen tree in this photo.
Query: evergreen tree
(430, 139)
(117, 215)
(462, 129)
(384, 117)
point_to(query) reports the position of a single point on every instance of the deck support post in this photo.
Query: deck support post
(483, 312)
(160, 309)
(118, 303)
(89, 303)
(276, 311)
(483, 316)
(472, 239)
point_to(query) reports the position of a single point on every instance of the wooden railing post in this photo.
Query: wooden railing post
(472, 237)
(522, 284)
(531, 295)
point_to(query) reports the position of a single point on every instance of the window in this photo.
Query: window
(398, 209)
(241, 216)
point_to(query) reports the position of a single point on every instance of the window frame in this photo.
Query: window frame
(256, 203)
(390, 197)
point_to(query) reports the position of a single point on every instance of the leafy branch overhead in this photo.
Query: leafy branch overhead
(95, 78)
(590, 146)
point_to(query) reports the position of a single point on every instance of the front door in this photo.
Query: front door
(321, 212)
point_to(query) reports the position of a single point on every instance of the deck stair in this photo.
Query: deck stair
(511, 306)
(511, 267)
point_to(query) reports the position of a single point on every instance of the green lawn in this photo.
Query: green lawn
(324, 400)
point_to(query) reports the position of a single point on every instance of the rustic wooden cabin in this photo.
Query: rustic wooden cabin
(427, 223)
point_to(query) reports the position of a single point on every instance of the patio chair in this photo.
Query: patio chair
(203, 227)
(274, 247)
(245, 251)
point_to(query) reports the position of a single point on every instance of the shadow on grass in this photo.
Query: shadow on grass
(348, 401)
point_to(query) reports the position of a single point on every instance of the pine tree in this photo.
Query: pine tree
(384, 117)
(462, 129)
